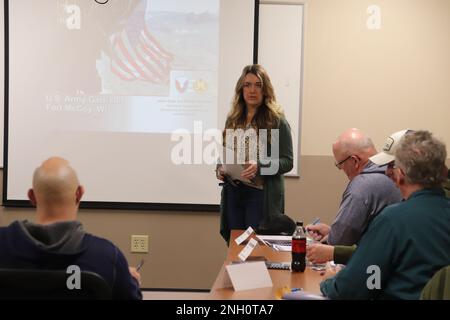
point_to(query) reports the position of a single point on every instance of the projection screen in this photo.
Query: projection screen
(115, 87)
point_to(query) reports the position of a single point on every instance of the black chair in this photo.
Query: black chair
(27, 284)
(280, 224)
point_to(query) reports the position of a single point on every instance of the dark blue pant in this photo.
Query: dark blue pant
(244, 206)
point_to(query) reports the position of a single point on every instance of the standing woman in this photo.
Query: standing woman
(255, 107)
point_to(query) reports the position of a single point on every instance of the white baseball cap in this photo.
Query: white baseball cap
(388, 153)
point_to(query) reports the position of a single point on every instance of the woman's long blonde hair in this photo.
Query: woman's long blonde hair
(268, 114)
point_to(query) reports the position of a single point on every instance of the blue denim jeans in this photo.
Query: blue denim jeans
(244, 206)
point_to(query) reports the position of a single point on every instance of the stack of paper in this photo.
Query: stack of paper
(278, 243)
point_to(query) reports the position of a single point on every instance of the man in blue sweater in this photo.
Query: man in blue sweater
(407, 242)
(369, 190)
(57, 240)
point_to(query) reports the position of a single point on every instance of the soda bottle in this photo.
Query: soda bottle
(298, 249)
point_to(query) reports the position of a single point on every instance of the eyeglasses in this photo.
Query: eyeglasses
(339, 164)
(390, 169)
(391, 165)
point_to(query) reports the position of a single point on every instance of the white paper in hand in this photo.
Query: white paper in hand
(231, 167)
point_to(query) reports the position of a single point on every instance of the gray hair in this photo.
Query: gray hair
(422, 158)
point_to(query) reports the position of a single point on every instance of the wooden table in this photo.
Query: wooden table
(308, 280)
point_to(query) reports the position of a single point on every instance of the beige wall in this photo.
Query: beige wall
(380, 81)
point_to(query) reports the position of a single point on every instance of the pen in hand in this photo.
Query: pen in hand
(316, 221)
(139, 266)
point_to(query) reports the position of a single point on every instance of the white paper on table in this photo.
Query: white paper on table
(282, 248)
(249, 275)
(278, 243)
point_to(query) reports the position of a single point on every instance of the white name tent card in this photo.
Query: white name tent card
(249, 275)
(251, 245)
(247, 233)
(223, 281)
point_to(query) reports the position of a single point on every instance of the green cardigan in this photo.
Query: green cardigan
(273, 184)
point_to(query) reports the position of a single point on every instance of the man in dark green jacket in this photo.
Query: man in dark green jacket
(342, 254)
(407, 243)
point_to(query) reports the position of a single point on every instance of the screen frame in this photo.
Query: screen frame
(97, 204)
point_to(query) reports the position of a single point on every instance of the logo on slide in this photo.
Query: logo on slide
(200, 86)
(181, 84)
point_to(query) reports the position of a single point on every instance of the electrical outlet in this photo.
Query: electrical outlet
(139, 243)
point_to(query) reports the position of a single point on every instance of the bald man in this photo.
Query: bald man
(57, 240)
(367, 193)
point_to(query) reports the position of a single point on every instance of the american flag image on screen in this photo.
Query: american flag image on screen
(140, 56)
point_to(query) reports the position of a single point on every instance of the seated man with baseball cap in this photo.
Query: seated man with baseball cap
(406, 243)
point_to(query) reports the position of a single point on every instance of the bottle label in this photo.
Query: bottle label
(299, 245)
